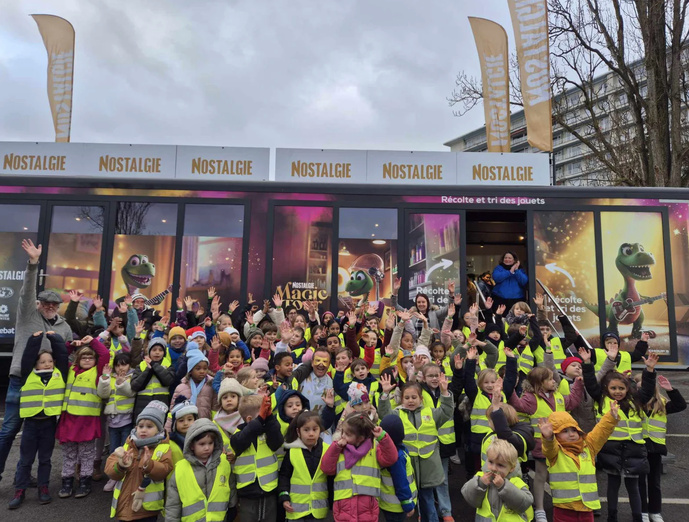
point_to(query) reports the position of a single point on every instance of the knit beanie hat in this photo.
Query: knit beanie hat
(181, 408)
(253, 332)
(231, 330)
(392, 425)
(194, 355)
(230, 385)
(197, 331)
(611, 335)
(561, 420)
(260, 364)
(177, 330)
(154, 411)
(156, 341)
(358, 394)
(568, 361)
(138, 296)
(422, 350)
(491, 327)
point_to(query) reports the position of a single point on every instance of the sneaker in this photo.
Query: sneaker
(18, 499)
(67, 487)
(455, 459)
(644, 517)
(656, 517)
(84, 487)
(109, 485)
(33, 483)
(540, 516)
(44, 495)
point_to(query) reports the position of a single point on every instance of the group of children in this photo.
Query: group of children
(291, 415)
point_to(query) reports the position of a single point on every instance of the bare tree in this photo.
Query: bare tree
(130, 218)
(632, 122)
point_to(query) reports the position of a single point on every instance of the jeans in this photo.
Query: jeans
(118, 436)
(395, 517)
(12, 422)
(443, 492)
(427, 505)
(38, 438)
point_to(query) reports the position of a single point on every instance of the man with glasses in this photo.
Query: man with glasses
(34, 313)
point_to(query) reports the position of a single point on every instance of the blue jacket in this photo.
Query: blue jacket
(398, 472)
(509, 285)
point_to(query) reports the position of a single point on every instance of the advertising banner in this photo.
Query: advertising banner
(58, 37)
(223, 163)
(411, 168)
(346, 167)
(491, 43)
(505, 170)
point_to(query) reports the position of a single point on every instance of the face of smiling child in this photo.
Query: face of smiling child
(156, 353)
(488, 383)
(432, 378)
(342, 359)
(235, 358)
(177, 341)
(438, 352)
(617, 389)
(45, 362)
(568, 435)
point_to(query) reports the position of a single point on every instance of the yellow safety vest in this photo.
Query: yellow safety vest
(114, 349)
(388, 500)
(154, 494)
(225, 437)
(479, 419)
(308, 495)
(655, 427)
(375, 369)
(123, 404)
(36, 396)
(177, 453)
(628, 427)
(80, 394)
(195, 506)
(502, 358)
(447, 367)
(490, 438)
(569, 483)
(446, 432)
(559, 354)
(154, 387)
(485, 513)
(623, 366)
(526, 360)
(421, 441)
(563, 387)
(258, 463)
(543, 411)
(362, 479)
(273, 400)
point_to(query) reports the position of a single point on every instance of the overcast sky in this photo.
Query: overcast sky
(350, 74)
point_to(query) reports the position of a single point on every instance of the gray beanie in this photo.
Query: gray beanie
(154, 411)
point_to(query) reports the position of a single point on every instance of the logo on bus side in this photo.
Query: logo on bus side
(6, 292)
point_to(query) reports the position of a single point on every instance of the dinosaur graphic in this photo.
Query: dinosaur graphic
(634, 264)
(366, 274)
(137, 273)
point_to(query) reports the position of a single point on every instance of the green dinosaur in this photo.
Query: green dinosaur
(360, 283)
(137, 273)
(634, 263)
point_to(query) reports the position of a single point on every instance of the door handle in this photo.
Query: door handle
(41, 275)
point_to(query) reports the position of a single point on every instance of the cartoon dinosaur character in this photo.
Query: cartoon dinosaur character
(634, 263)
(137, 273)
(366, 274)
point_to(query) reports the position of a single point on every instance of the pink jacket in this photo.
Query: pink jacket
(360, 508)
(205, 401)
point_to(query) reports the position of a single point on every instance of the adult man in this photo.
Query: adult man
(34, 313)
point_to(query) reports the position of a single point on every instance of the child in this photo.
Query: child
(359, 373)
(302, 486)
(183, 414)
(398, 487)
(248, 378)
(441, 358)
(499, 493)
(151, 380)
(505, 425)
(140, 467)
(421, 425)
(571, 456)
(197, 385)
(40, 405)
(177, 339)
(572, 368)
(655, 427)
(257, 440)
(360, 402)
(116, 389)
(227, 418)
(202, 485)
(260, 366)
(80, 423)
(355, 461)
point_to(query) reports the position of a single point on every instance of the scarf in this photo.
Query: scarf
(228, 421)
(573, 449)
(151, 441)
(195, 389)
(353, 454)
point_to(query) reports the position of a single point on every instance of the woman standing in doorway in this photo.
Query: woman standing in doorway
(510, 282)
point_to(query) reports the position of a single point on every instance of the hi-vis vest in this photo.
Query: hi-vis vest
(569, 483)
(377, 357)
(154, 494)
(423, 440)
(36, 397)
(543, 411)
(308, 495)
(177, 453)
(114, 349)
(625, 364)
(502, 359)
(628, 427)
(655, 427)
(388, 500)
(563, 387)
(559, 354)
(485, 513)
(123, 404)
(225, 438)
(446, 432)
(491, 437)
(154, 387)
(80, 394)
(446, 366)
(258, 463)
(526, 360)
(294, 385)
(195, 506)
(479, 420)
(362, 479)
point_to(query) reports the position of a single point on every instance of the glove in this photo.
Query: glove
(266, 408)
(138, 500)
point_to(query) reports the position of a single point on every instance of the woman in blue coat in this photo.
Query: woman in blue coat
(510, 282)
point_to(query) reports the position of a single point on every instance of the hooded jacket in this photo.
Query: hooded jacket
(203, 473)
(205, 401)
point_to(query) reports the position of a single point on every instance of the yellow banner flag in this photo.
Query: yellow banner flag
(530, 22)
(58, 37)
(491, 42)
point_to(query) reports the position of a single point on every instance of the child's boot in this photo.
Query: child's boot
(18, 499)
(67, 487)
(84, 487)
(44, 495)
(97, 472)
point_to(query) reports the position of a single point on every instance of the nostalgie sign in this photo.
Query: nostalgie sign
(237, 164)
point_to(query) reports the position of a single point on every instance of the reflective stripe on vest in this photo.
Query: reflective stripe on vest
(122, 403)
(623, 366)
(655, 427)
(154, 494)
(479, 420)
(526, 360)
(543, 411)
(154, 387)
(628, 428)
(485, 513)
(421, 441)
(36, 397)
(308, 495)
(195, 506)
(362, 479)
(80, 394)
(258, 463)
(388, 500)
(446, 432)
(375, 369)
(569, 483)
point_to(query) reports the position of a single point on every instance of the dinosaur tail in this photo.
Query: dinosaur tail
(592, 307)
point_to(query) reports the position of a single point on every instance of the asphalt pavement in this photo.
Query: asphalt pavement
(96, 507)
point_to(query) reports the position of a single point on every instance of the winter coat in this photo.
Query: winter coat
(474, 491)
(312, 458)
(104, 391)
(517, 434)
(676, 404)
(428, 472)
(435, 314)
(203, 473)
(132, 477)
(141, 378)
(205, 401)
(583, 413)
(509, 285)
